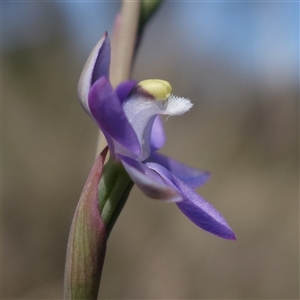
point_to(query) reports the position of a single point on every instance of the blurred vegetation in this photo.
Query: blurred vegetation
(245, 131)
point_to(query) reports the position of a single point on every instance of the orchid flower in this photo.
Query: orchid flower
(129, 118)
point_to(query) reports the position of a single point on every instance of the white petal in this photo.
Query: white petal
(142, 110)
(141, 114)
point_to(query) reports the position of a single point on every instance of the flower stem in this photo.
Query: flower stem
(123, 45)
(123, 42)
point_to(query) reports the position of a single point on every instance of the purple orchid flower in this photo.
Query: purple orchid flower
(129, 117)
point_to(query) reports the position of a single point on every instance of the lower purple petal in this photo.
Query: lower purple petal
(149, 181)
(192, 177)
(202, 213)
(108, 112)
(198, 210)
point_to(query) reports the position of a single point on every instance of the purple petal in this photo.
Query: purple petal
(158, 137)
(102, 63)
(149, 181)
(97, 65)
(198, 210)
(192, 177)
(202, 213)
(124, 88)
(108, 112)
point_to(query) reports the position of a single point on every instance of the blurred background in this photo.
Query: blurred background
(239, 63)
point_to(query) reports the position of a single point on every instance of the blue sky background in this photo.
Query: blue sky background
(250, 35)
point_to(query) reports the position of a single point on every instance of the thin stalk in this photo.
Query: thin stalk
(123, 44)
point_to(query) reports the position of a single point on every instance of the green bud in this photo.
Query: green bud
(148, 8)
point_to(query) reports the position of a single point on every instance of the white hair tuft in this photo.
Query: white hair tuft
(177, 105)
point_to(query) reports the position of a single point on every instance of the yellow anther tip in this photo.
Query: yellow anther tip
(160, 89)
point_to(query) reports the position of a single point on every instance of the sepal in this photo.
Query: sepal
(87, 241)
(114, 188)
(97, 65)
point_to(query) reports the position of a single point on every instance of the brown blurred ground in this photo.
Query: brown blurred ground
(244, 132)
